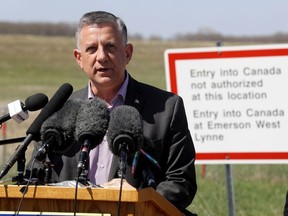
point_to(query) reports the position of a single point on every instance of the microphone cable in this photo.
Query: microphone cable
(120, 191)
(75, 197)
(24, 189)
(79, 175)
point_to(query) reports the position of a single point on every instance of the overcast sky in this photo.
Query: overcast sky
(164, 18)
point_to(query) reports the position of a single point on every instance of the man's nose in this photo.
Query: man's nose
(101, 54)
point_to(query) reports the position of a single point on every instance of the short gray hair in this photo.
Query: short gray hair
(99, 17)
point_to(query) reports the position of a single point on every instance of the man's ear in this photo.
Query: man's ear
(77, 56)
(129, 52)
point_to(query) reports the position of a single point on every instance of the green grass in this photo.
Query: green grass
(30, 64)
(258, 190)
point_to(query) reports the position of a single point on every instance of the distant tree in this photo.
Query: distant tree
(155, 38)
(136, 36)
(203, 34)
(49, 29)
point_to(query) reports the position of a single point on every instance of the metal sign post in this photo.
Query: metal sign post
(230, 190)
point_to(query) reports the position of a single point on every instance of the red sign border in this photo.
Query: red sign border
(173, 57)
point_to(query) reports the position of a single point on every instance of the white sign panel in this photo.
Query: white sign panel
(235, 100)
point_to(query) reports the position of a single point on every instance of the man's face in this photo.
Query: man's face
(103, 55)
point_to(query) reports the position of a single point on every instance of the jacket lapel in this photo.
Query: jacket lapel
(134, 95)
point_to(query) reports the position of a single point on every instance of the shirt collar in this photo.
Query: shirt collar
(121, 94)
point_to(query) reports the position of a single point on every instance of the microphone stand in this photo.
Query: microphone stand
(10, 141)
(122, 162)
(21, 160)
(83, 178)
(83, 164)
(48, 170)
(20, 169)
(43, 156)
(122, 170)
(149, 179)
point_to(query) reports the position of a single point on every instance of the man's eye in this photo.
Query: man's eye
(110, 46)
(91, 49)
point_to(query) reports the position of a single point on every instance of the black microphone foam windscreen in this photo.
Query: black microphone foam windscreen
(61, 125)
(125, 120)
(55, 103)
(92, 121)
(36, 102)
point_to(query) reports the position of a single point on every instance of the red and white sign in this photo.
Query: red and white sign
(235, 99)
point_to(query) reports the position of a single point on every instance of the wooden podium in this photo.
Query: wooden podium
(41, 199)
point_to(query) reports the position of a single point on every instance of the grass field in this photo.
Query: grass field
(30, 64)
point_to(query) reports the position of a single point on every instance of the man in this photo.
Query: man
(103, 53)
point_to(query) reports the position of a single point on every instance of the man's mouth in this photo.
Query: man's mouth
(103, 70)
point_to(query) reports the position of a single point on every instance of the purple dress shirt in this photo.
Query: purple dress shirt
(100, 157)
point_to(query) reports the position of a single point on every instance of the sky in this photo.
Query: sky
(164, 18)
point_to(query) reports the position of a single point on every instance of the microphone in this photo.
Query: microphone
(56, 102)
(91, 126)
(19, 111)
(147, 164)
(125, 138)
(125, 133)
(57, 132)
(143, 167)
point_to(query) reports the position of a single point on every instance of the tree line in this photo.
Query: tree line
(66, 29)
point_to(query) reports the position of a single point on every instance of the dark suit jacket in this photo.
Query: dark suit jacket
(285, 212)
(170, 143)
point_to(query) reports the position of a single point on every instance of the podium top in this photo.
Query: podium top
(129, 195)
